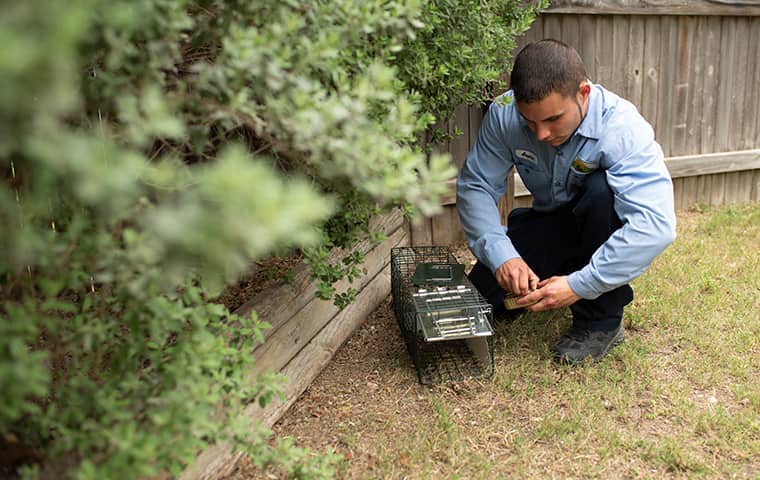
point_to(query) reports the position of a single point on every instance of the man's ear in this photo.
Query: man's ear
(585, 89)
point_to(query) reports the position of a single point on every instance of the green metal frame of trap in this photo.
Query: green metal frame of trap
(419, 273)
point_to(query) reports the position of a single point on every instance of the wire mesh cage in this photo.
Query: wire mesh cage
(445, 321)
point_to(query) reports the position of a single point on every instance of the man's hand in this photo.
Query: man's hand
(552, 293)
(515, 276)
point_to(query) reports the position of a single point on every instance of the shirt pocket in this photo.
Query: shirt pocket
(575, 180)
(577, 173)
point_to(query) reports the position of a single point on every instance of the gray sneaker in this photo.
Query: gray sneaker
(578, 344)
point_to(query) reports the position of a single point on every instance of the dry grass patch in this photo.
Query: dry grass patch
(680, 398)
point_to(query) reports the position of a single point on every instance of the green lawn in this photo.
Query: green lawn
(679, 399)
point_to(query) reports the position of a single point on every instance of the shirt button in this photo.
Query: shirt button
(558, 184)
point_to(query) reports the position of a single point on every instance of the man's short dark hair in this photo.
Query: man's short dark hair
(544, 67)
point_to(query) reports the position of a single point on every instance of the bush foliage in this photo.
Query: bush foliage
(155, 148)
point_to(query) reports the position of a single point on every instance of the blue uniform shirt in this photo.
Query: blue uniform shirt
(613, 137)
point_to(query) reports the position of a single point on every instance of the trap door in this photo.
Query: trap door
(450, 312)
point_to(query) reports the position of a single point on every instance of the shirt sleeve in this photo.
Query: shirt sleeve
(481, 182)
(639, 179)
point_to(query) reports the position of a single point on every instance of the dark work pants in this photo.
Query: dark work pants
(561, 242)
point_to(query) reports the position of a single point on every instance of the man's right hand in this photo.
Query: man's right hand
(515, 276)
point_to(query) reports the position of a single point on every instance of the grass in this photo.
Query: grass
(679, 399)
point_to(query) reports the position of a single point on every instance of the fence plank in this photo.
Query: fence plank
(711, 77)
(689, 192)
(678, 193)
(738, 85)
(717, 189)
(703, 190)
(635, 64)
(619, 61)
(571, 33)
(732, 194)
(746, 183)
(507, 202)
(696, 121)
(604, 67)
(553, 27)
(668, 59)
(725, 80)
(751, 131)
(457, 234)
(475, 113)
(650, 87)
(588, 49)
(442, 228)
(421, 231)
(683, 78)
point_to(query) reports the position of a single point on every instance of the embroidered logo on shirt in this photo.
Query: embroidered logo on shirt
(580, 166)
(526, 155)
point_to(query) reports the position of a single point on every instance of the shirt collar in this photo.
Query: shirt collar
(591, 126)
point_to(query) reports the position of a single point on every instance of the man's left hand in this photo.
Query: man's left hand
(551, 294)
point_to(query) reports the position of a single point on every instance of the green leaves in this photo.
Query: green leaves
(23, 372)
(462, 52)
(345, 118)
(237, 210)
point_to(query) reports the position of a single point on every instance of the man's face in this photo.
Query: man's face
(555, 118)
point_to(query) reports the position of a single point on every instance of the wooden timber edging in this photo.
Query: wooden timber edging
(306, 332)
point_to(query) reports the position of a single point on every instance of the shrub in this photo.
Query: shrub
(155, 149)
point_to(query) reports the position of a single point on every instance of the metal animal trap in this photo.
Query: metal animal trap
(445, 321)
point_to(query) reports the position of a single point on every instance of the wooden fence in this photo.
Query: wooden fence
(692, 69)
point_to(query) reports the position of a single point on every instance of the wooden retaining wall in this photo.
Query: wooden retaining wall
(693, 70)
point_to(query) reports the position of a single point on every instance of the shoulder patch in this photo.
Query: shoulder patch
(526, 155)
